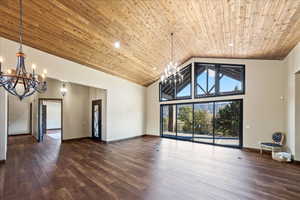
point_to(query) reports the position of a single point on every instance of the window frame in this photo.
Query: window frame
(175, 88)
(239, 146)
(160, 93)
(217, 81)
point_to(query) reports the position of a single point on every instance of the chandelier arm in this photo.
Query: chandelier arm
(39, 86)
(29, 94)
(25, 82)
(4, 83)
(23, 65)
(21, 96)
(16, 82)
(9, 90)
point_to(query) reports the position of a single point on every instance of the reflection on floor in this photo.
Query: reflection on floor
(149, 168)
(223, 140)
(54, 134)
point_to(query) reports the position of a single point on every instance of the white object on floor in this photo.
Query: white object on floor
(54, 136)
(282, 156)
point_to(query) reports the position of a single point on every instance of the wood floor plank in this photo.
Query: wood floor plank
(149, 168)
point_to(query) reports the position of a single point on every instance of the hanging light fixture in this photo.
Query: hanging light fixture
(63, 89)
(171, 72)
(18, 81)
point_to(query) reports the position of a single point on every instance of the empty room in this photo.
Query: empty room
(149, 99)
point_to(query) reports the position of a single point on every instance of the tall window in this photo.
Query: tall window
(227, 122)
(185, 121)
(179, 90)
(167, 90)
(231, 79)
(205, 79)
(168, 120)
(217, 122)
(204, 118)
(184, 88)
(219, 79)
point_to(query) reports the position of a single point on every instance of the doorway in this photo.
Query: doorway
(96, 119)
(50, 118)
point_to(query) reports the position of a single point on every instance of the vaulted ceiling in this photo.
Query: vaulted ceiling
(85, 31)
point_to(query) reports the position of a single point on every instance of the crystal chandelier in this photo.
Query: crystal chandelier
(18, 81)
(171, 73)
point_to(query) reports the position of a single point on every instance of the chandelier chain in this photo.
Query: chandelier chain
(172, 48)
(172, 72)
(21, 26)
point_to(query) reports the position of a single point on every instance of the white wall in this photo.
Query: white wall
(292, 65)
(19, 116)
(296, 134)
(264, 108)
(3, 124)
(125, 100)
(53, 115)
(75, 107)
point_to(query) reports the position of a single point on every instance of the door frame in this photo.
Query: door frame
(40, 100)
(97, 102)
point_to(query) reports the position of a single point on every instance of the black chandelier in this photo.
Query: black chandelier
(17, 81)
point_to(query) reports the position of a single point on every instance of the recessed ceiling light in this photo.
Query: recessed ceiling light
(117, 44)
(230, 44)
(154, 68)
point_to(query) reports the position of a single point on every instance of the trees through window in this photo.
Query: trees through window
(210, 122)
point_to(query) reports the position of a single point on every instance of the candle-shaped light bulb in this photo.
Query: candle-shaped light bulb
(33, 66)
(9, 71)
(43, 76)
(45, 71)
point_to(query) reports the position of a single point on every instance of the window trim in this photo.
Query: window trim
(175, 88)
(240, 146)
(217, 68)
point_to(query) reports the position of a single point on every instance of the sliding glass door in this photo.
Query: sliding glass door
(203, 118)
(168, 120)
(185, 121)
(228, 122)
(218, 122)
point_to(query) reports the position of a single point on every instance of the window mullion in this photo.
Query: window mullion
(176, 107)
(217, 79)
(206, 80)
(214, 120)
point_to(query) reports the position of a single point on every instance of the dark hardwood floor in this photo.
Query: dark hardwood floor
(144, 168)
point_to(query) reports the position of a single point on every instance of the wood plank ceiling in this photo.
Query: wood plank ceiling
(84, 31)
